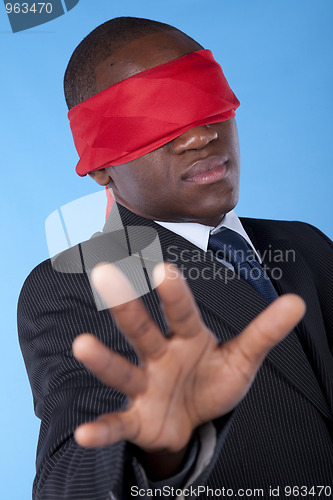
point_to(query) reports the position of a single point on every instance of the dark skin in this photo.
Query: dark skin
(187, 379)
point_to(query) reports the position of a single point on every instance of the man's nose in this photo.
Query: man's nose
(195, 138)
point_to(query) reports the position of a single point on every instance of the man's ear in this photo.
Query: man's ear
(101, 177)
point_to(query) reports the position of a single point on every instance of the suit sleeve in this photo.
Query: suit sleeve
(53, 309)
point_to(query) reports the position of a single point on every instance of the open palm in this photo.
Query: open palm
(183, 380)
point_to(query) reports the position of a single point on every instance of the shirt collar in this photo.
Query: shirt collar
(198, 234)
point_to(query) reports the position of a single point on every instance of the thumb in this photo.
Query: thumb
(269, 328)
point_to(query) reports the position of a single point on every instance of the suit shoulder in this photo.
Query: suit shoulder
(49, 291)
(283, 228)
(36, 278)
(44, 275)
(72, 261)
(273, 223)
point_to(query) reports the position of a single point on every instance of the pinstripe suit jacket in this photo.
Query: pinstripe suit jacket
(280, 434)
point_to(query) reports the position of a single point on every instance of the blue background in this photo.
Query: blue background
(277, 56)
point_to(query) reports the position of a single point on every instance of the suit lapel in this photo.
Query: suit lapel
(289, 274)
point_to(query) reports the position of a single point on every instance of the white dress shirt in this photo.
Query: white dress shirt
(198, 234)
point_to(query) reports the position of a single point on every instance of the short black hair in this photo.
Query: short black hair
(103, 41)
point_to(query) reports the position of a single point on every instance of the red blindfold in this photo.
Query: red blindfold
(149, 109)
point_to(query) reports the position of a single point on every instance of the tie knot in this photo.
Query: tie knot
(230, 246)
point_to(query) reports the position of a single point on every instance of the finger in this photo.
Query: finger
(178, 303)
(107, 429)
(108, 366)
(268, 329)
(130, 314)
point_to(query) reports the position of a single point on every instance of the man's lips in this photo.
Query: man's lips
(205, 171)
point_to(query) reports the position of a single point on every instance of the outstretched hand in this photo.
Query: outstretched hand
(183, 380)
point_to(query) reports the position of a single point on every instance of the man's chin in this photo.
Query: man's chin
(216, 212)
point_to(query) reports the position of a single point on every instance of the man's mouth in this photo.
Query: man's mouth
(207, 171)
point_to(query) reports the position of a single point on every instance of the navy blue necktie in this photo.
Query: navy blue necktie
(230, 246)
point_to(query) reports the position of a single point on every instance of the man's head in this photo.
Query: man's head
(96, 49)
(195, 177)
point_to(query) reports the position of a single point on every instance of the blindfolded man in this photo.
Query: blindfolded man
(210, 395)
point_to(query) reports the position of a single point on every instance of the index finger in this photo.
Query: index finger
(128, 311)
(179, 305)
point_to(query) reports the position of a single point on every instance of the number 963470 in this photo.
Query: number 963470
(24, 8)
